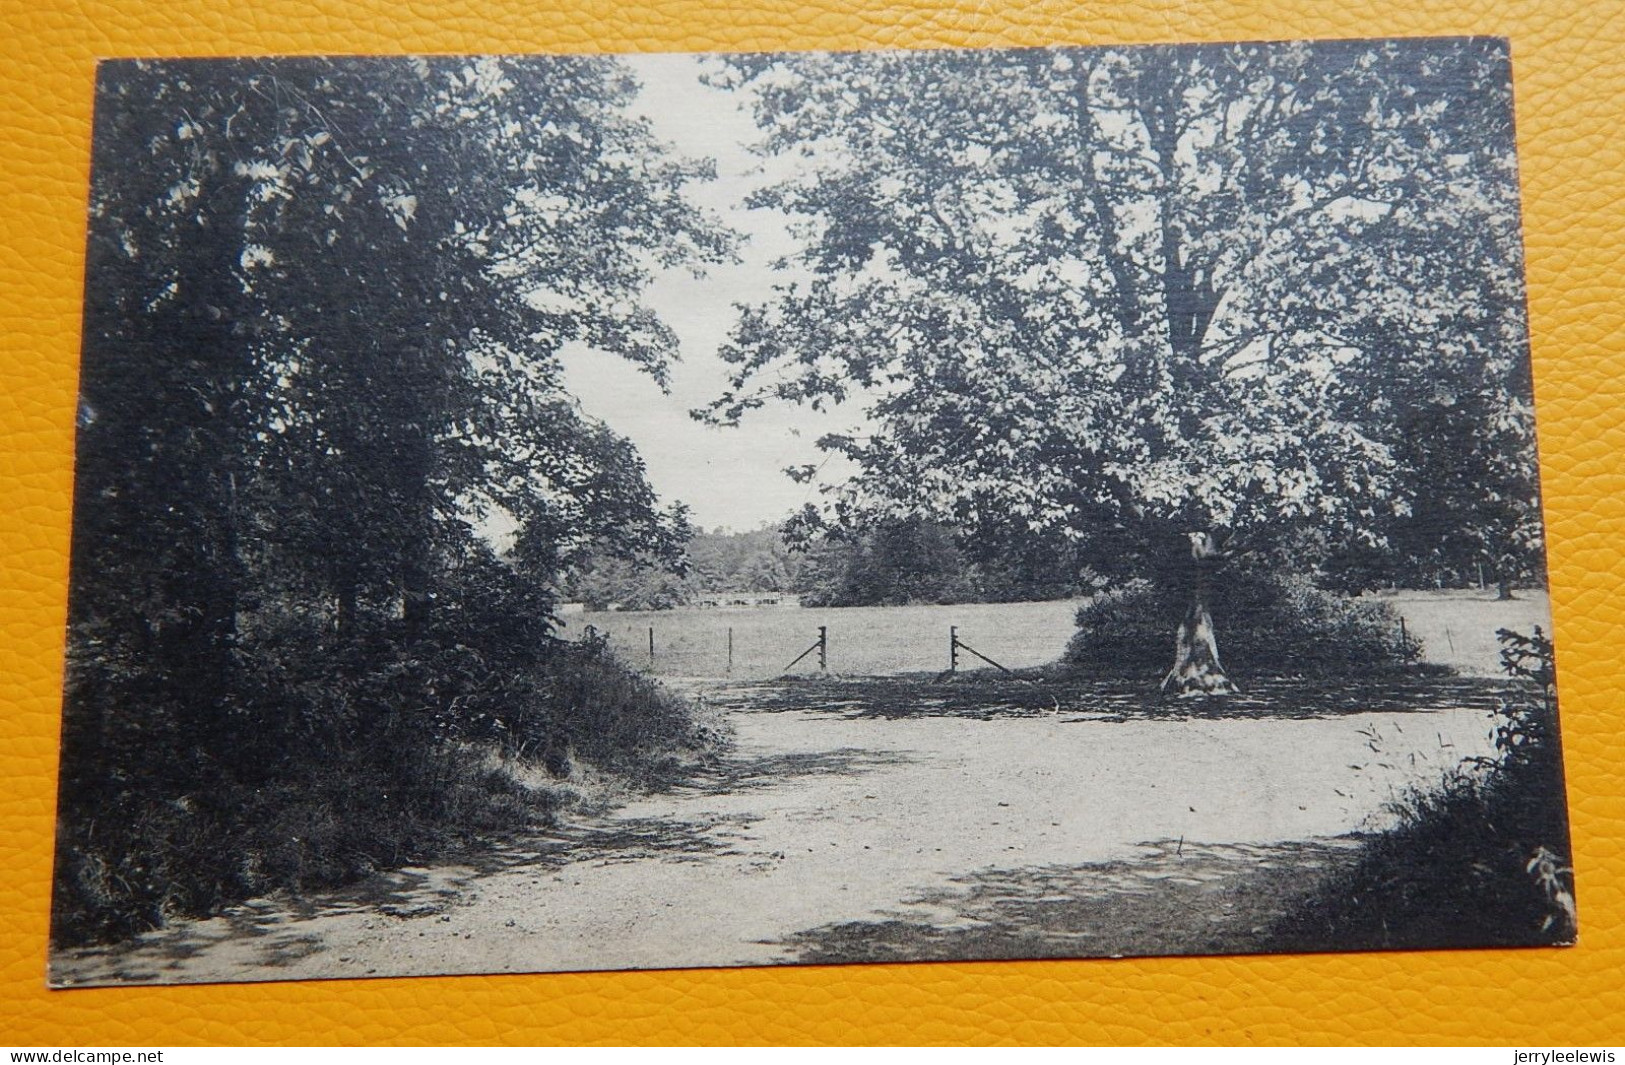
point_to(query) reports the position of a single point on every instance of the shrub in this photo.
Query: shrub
(325, 768)
(153, 854)
(1476, 862)
(1267, 624)
(582, 702)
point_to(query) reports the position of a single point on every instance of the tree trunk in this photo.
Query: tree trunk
(1196, 669)
(416, 563)
(414, 465)
(209, 305)
(346, 598)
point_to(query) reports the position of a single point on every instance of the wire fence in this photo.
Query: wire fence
(759, 644)
(1454, 629)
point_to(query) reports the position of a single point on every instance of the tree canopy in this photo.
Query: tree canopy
(328, 467)
(343, 285)
(1126, 294)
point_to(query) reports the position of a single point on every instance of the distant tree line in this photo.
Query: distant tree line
(908, 561)
(1445, 543)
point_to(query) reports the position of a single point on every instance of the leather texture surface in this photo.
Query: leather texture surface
(1569, 58)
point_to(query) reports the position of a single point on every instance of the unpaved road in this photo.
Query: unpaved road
(826, 837)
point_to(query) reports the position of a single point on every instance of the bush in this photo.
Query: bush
(150, 853)
(1267, 624)
(583, 703)
(327, 770)
(1477, 862)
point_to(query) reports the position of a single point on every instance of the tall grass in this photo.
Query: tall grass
(1480, 861)
(149, 859)
(364, 786)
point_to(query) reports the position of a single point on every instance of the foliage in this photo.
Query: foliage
(898, 562)
(1476, 862)
(611, 583)
(1527, 730)
(327, 468)
(1120, 295)
(758, 560)
(315, 824)
(585, 702)
(1273, 624)
(1475, 513)
(911, 560)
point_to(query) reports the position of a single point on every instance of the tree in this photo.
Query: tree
(1170, 302)
(446, 298)
(327, 465)
(1476, 508)
(354, 276)
(893, 564)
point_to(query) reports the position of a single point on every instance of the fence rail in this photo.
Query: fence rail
(955, 645)
(1451, 629)
(679, 650)
(821, 645)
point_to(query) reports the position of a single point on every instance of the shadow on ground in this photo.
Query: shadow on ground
(270, 931)
(1177, 898)
(735, 773)
(984, 697)
(273, 932)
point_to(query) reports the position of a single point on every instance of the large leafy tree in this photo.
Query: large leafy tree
(327, 465)
(535, 215)
(1140, 297)
(342, 285)
(1476, 510)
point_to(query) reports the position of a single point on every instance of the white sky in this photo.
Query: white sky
(729, 477)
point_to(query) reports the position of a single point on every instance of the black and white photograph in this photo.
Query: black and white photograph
(560, 513)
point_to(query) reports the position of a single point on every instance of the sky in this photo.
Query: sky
(729, 477)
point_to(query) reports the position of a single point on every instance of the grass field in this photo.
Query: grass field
(862, 640)
(1457, 629)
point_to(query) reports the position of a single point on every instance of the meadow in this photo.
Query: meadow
(862, 640)
(1457, 629)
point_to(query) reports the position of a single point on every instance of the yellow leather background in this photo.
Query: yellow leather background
(1569, 60)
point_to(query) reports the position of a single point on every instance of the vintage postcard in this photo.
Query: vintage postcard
(562, 513)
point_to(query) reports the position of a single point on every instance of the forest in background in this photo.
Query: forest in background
(909, 561)
(918, 561)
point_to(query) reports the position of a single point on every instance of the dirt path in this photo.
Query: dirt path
(828, 837)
